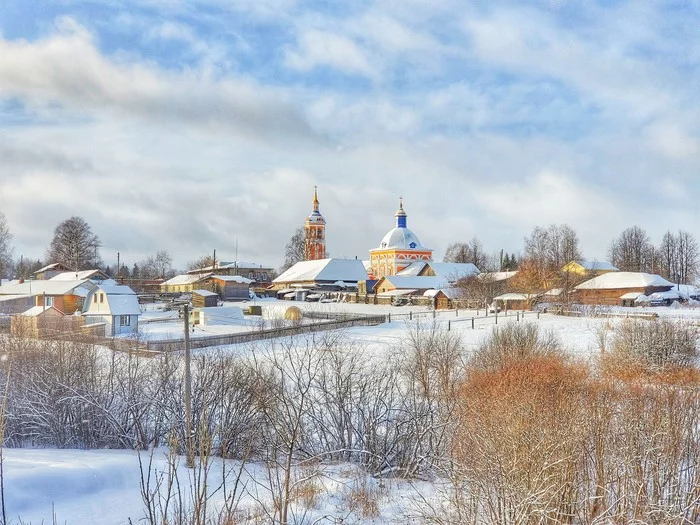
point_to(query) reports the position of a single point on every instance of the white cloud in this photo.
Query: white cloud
(321, 48)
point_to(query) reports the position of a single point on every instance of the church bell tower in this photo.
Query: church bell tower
(315, 233)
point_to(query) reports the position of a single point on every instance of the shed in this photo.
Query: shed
(204, 298)
(231, 287)
(218, 315)
(43, 322)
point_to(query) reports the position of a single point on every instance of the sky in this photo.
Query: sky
(193, 125)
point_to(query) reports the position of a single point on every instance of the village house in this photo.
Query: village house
(67, 296)
(319, 275)
(616, 288)
(115, 306)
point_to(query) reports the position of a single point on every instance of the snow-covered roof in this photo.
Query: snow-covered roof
(497, 276)
(232, 279)
(73, 276)
(50, 267)
(330, 270)
(48, 287)
(204, 293)
(687, 290)
(670, 295)
(413, 269)
(185, 279)
(453, 271)
(224, 265)
(450, 293)
(597, 265)
(614, 280)
(554, 292)
(123, 305)
(116, 289)
(631, 296)
(418, 282)
(35, 311)
(642, 299)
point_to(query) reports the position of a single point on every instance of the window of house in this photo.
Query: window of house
(124, 320)
(94, 298)
(48, 301)
(102, 298)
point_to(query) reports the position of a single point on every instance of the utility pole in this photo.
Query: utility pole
(188, 392)
(118, 269)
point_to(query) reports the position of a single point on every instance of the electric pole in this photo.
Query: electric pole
(188, 392)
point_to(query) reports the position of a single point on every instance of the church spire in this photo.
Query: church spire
(315, 198)
(400, 215)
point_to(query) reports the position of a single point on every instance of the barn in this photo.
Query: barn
(616, 288)
(204, 298)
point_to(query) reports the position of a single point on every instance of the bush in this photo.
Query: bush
(514, 343)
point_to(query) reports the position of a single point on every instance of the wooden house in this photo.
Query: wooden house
(444, 298)
(185, 283)
(67, 296)
(230, 287)
(204, 298)
(615, 287)
(328, 274)
(408, 284)
(51, 270)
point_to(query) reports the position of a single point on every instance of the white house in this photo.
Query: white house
(114, 305)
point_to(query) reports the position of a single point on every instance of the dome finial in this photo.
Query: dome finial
(400, 215)
(315, 198)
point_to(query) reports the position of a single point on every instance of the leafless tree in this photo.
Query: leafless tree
(202, 262)
(294, 251)
(157, 266)
(469, 252)
(5, 248)
(552, 247)
(678, 257)
(75, 245)
(632, 251)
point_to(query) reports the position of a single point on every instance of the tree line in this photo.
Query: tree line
(550, 248)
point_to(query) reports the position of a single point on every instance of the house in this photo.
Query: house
(50, 270)
(323, 274)
(114, 305)
(92, 275)
(67, 296)
(204, 298)
(255, 272)
(185, 283)
(450, 272)
(514, 301)
(588, 268)
(37, 322)
(616, 288)
(443, 298)
(230, 287)
(408, 284)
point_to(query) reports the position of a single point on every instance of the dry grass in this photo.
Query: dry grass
(364, 497)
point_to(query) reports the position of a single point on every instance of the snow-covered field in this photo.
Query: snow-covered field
(103, 486)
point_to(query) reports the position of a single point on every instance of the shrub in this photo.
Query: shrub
(513, 343)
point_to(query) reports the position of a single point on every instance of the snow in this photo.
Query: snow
(624, 280)
(204, 293)
(40, 287)
(38, 310)
(327, 270)
(403, 282)
(232, 279)
(185, 279)
(597, 265)
(494, 277)
(123, 305)
(75, 276)
(400, 238)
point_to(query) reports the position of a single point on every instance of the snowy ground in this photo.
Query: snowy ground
(87, 487)
(103, 486)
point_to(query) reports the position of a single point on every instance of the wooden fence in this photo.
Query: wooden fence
(331, 322)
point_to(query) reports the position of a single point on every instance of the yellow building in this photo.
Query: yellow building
(399, 248)
(588, 268)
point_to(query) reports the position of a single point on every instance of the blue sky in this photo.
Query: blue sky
(188, 125)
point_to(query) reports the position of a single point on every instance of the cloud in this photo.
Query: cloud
(68, 69)
(320, 48)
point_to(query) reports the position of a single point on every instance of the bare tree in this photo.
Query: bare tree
(552, 247)
(157, 266)
(75, 245)
(201, 262)
(5, 248)
(294, 250)
(632, 251)
(469, 252)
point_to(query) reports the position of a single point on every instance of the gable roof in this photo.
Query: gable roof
(623, 280)
(83, 274)
(596, 265)
(185, 279)
(52, 266)
(418, 282)
(494, 277)
(48, 287)
(328, 270)
(232, 279)
(36, 311)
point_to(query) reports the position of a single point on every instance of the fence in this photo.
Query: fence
(343, 321)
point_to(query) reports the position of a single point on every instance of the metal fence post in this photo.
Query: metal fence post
(449, 325)
(472, 323)
(410, 316)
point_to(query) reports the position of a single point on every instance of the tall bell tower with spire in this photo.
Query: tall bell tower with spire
(315, 233)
